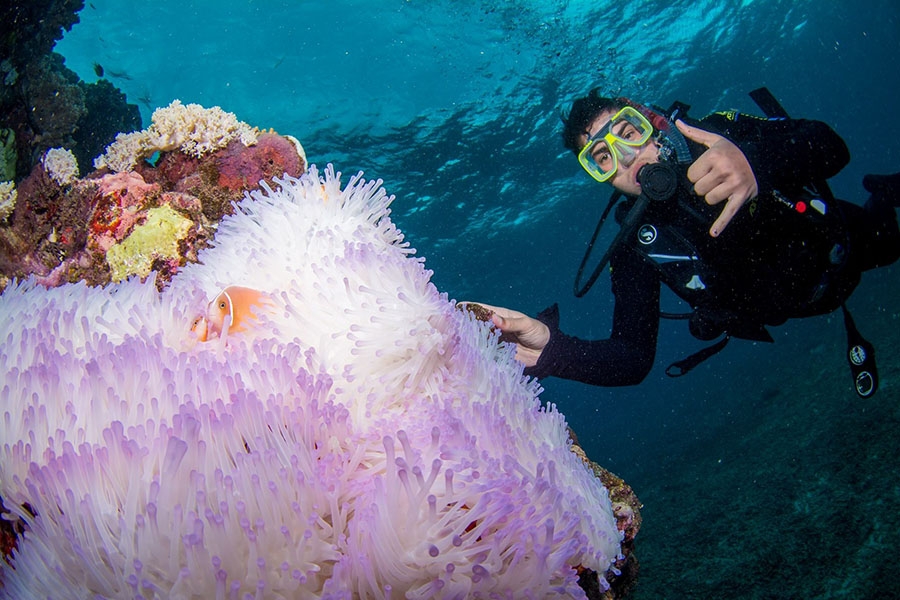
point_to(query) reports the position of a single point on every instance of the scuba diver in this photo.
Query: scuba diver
(780, 247)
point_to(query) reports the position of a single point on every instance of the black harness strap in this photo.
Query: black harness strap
(582, 290)
(686, 365)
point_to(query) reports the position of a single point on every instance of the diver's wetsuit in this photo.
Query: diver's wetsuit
(754, 274)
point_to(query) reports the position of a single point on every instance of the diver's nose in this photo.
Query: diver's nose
(626, 154)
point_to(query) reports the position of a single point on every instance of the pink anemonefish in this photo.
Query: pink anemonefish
(236, 302)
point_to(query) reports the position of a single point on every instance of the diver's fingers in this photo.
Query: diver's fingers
(731, 208)
(512, 324)
(497, 310)
(718, 193)
(698, 169)
(707, 182)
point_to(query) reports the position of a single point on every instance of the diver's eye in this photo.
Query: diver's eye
(628, 132)
(601, 156)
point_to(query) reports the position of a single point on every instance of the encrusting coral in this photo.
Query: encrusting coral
(155, 240)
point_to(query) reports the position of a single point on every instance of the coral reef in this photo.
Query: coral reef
(627, 508)
(192, 129)
(7, 155)
(43, 104)
(65, 229)
(8, 195)
(359, 437)
(61, 165)
(60, 227)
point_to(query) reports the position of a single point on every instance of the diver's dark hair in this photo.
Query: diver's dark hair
(582, 114)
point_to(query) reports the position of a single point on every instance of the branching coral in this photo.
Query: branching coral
(60, 165)
(122, 155)
(191, 129)
(196, 130)
(8, 194)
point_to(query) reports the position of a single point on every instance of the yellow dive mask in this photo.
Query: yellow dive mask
(616, 141)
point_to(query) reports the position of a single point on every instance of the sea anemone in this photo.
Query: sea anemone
(359, 437)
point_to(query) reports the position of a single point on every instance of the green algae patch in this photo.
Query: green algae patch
(156, 239)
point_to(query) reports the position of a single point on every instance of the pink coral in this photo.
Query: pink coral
(271, 156)
(120, 204)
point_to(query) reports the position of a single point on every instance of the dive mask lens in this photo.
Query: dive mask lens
(597, 160)
(619, 139)
(625, 154)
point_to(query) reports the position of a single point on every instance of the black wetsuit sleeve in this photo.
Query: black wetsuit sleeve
(784, 153)
(627, 356)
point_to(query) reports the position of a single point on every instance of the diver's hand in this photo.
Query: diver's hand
(529, 335)
(721, 173)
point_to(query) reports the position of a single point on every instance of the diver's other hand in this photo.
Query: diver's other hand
(529, 335)
(721, 173)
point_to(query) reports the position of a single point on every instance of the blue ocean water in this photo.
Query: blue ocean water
(761, 472)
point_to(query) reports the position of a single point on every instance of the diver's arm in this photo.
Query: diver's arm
(627, 356)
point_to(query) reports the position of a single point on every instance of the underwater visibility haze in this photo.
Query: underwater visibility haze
(762, 474)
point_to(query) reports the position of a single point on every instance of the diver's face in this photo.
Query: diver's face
(625, 177)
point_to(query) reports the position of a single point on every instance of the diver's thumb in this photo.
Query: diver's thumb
(707, 138)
